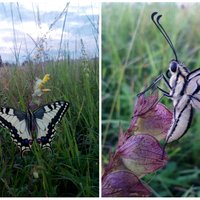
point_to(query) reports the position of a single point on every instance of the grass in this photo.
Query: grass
(133, 54)
(72, 168)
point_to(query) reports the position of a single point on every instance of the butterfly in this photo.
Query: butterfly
(42, 121)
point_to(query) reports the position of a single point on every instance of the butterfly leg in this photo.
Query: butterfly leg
(166, 82)
(155, 82)
(168, 85)
(164, 92)
(152, 85)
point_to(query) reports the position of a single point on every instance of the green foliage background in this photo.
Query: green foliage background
(133, 54)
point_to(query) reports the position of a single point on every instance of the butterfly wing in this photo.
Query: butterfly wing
(46, 118)
(16, 123)
(193, 88)
(182, 118)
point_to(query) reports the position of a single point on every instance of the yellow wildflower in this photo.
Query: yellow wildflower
(39, 86)
(46, 90)
(43, 81)
(46, 78)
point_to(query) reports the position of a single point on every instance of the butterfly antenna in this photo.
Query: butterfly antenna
(164, 33)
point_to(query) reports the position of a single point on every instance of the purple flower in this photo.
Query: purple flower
(151, 117)
(142, 154)
(139, 154)
(123, 183)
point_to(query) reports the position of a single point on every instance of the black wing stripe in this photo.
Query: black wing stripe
(193, 74)
(46, 118)
(15, 122)
(52, 115)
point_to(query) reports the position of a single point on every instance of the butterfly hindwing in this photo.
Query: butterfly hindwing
(16, 122)
(193, 88)
(46, 118)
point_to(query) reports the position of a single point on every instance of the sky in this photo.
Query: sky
(25, 32)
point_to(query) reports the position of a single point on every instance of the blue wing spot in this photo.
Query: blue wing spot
(25, 142)
(44, 140)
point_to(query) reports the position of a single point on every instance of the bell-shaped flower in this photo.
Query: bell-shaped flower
(142, 154)
(123, 183)
(151, 117)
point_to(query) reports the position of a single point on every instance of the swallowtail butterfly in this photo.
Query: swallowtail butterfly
(184, 89)
(42, 121)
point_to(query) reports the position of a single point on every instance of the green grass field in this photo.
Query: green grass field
(73, 167)
(133, 54)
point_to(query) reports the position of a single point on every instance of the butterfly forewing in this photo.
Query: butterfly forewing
(16, 122)
(46, 118)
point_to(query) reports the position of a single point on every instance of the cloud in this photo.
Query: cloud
(81, 6)
(77, 26)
